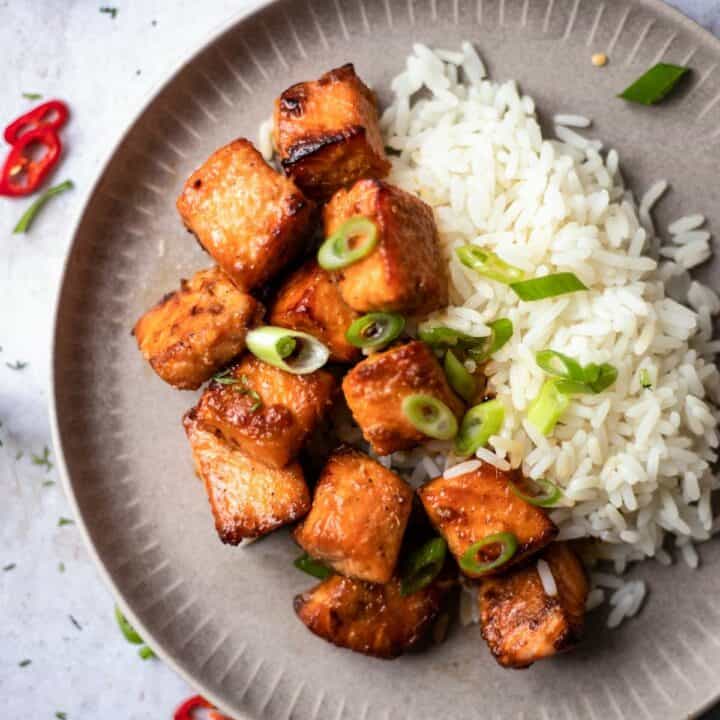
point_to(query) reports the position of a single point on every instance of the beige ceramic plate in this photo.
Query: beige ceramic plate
(223, 616)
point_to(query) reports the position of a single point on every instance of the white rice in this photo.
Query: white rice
(546, 578)
(577, 121)
(632, 461)
(462, 468)
(686, 223)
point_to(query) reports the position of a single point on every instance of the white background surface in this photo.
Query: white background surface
(104, 68)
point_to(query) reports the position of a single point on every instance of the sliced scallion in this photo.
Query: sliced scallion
(478, 426)
(146, 653)
(312, 567)
(430, 416)
(488, 264)
(355, 239)
(375, 330)
(29, 215)
(423, 566)
(545, 410)
(652, 86)
(548, 286)
(645, 380)
(290, 350)
(461, 381)
(131, 635)
(576, 379)
(469, 562)
(478, 348)
(439, 336)
(548, 497)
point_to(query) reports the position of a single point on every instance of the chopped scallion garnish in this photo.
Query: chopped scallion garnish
(576, 379)
(488, 264)
(355, 239)
(478, 426)
(470, 564)
(312, 567)
(547, 286)
(375, 330)
(290, 350)
(548, 496)
(478, 348)
(655, 84)
(423, 566)
(126, 628)
(461, 381)
(545, 410)
(645, 380)
(430, 416)
(29, 215)
(146, 653)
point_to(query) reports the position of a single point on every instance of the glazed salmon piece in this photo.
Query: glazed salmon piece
(310, 301)
(247, 498)
(196, 330)
(327, 133)
(376, 387)
(251, 219)
(266, 412)
(366, 618)
(359, 513)
(405, 272)
(521, 622)
(469, 507)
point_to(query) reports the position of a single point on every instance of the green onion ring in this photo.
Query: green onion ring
(337, 251)
(290, 350)
(461, 381)
(423, 566)
(488, 264)
(375, 330)
(469, 561)
(312, 567)
(480, 423)
(545, 410)
(131, 635)
(430, 416)
(549, 497)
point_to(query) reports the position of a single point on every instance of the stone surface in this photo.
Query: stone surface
(104, 67)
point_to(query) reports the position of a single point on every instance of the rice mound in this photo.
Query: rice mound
(634, 463)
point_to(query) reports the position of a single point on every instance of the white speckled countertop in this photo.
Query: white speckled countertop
(54, 610)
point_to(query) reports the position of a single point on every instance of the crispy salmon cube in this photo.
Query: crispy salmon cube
(328, 134)
(193, 332)
(358, 517)
(251, 219)
(521, 622)
(248, 499)
(405, 272)
(310, 301)
(376, 387)
(266, 412)
(467, 508)
(369, 618)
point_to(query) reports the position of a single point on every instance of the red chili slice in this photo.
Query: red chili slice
(197, 702)
(52, 114)
(22, 174)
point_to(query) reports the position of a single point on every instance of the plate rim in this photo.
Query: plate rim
(175, 69)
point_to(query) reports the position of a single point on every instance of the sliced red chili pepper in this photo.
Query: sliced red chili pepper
(52, 114)
(197, 702)
(22, 174)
